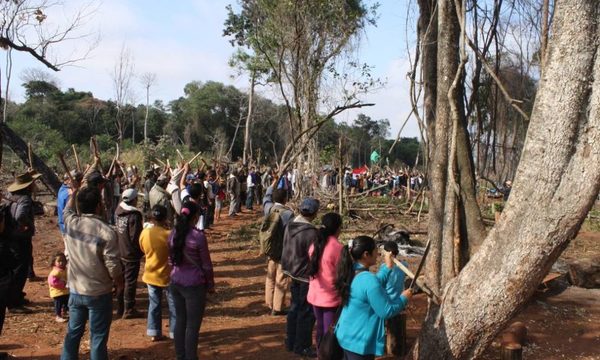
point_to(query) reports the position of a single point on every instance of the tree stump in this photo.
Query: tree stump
(585, 272)
(396, 335)
(512, 351)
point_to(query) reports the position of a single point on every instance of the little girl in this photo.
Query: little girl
(57, 281)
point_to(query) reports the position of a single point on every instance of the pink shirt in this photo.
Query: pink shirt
(321, 288)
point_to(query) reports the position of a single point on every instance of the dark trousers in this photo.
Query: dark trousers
(189, 311)
(210, 214)
(126, 297)
(349, 355)
(61, 304)
(300, 318)
(3, 299)
(22, 249)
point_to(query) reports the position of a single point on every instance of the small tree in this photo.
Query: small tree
(122, 74)
(147, 80)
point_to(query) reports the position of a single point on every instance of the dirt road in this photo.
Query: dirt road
(237, 324)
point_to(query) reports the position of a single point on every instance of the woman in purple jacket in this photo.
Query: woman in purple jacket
(191, 278)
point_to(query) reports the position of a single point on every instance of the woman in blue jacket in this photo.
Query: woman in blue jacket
(366, 305)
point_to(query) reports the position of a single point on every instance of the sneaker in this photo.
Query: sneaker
(278, 313)
(157, 338)
(308, 353)
(60, 319)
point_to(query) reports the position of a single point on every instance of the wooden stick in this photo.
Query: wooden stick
(161, 162)
(76, 157)
(180, 154)
(419, 283)
(110, 168)
(194, 158)
(64, 164)
(95, 146)
(404, 269)
(29, 153)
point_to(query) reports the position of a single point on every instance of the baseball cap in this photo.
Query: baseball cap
(309, 206)
(129, 195)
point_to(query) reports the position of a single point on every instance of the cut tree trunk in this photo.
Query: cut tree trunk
(559, 172)
(20, 148)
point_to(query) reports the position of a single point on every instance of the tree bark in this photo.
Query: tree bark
(249, 118)
(20, 148)
(559, 172)
(447, 64)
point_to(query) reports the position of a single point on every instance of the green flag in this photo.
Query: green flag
(375, 156)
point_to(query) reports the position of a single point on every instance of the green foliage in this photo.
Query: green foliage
(328, 153)
(205, 119)
(45, 142)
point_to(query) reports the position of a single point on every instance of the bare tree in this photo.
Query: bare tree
(25, 27)
(148, 80)
(36, 74)
(122, 74)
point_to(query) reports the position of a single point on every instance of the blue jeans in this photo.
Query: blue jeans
(249, 198)
(300, 319)
(155, 311)
(189, 310)
(99, 311)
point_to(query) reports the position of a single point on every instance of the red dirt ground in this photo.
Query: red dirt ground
(236, 324)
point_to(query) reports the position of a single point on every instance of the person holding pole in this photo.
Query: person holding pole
(366, 305)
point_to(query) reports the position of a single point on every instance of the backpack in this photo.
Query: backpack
(270, 235)
(7, 221)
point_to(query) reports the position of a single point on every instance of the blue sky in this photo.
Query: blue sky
(181, 41)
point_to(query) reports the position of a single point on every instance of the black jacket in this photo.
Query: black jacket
(129, 227)
(297, 239)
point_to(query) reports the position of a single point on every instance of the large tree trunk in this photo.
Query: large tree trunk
(559, 172)
(19, 146)
(447, 64)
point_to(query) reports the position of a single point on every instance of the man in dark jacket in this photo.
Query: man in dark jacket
(298, 236)
(129, 227)
(20, 239)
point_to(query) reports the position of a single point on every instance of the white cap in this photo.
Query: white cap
(129, 195)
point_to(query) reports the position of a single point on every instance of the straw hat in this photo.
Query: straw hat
(22, 181)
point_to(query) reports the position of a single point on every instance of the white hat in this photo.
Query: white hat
(129, 195)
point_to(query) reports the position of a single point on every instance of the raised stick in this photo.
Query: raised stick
(76, 157)
(29, 153)
(64, 164)
(180, 154)
(194, 158)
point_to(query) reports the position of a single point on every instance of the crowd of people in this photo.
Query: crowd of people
(107, 234)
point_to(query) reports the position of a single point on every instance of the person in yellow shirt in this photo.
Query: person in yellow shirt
(153, 243)
(57, 282)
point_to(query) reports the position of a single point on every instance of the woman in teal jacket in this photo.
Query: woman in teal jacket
(366, 305)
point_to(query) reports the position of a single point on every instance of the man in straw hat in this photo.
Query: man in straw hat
(21, 210)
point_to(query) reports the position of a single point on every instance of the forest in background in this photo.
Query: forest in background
(209, 118)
